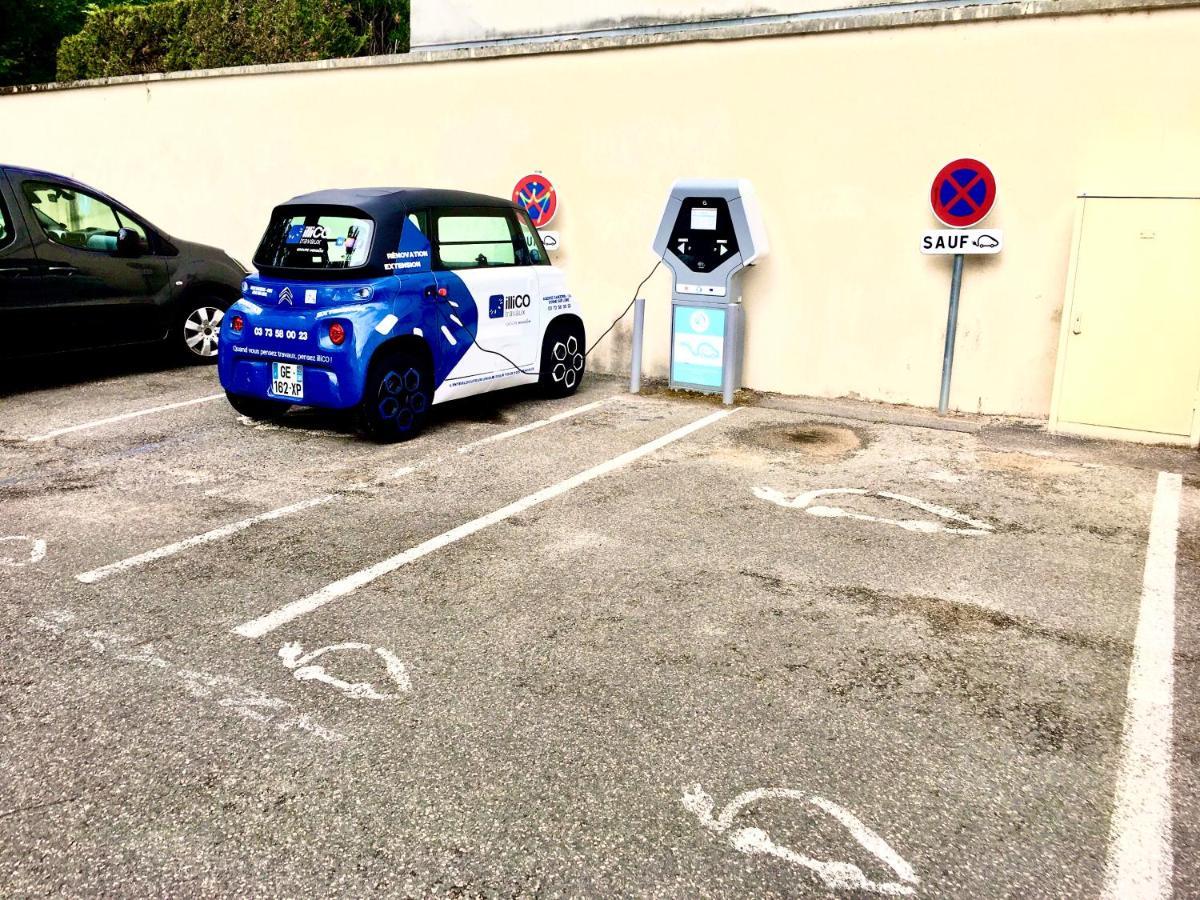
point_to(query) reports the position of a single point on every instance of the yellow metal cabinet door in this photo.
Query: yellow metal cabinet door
(1133, 327)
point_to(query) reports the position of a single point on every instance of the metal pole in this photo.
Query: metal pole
(951, 328)
(639, 323)
(732, 354)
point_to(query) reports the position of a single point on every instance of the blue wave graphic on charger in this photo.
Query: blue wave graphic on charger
(700, 349)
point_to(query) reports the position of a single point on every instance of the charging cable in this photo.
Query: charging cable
(636, 291)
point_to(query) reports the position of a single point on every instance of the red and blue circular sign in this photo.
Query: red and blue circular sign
(963, 193)
(536, 195)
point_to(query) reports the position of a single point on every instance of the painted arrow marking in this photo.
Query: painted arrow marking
(28, 551)
(925, 526)
(837, 876)
(304, 668)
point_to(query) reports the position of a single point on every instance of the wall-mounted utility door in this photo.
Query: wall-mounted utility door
(1129, 358)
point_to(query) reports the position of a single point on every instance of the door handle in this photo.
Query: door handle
(14, 270)
(1077, 324)
(62, 270)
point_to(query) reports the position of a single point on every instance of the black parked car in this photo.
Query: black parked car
(78, 270)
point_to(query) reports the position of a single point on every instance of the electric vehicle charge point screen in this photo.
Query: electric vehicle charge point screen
(710, 231)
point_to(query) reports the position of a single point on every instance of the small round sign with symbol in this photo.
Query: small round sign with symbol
(963, 193)
(536, 195)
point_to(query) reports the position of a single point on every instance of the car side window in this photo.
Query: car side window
(534, 251)
(73, 218)
(6, 230)
(135, 227)
(475, 239)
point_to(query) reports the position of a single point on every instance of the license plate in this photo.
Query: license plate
(287, 380)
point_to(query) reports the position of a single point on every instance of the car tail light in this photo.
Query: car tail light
(337, 334)
(237, 323)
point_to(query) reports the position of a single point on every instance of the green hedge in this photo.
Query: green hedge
(123, 40)
(174, 35)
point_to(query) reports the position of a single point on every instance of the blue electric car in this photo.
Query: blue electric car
(387, 300)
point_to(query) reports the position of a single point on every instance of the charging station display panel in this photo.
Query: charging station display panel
(703, 236)
(698, 346)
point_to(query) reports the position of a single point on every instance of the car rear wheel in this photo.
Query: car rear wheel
(199, 330)
(257, 407)
(396, 398)
(564, 359)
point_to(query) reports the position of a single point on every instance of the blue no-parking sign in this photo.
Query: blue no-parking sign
(963, 193)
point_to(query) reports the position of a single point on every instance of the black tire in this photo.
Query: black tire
(396, 397)
(257, 407)
(564, 359)
(197, 328)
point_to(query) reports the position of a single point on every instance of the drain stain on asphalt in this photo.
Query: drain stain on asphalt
(808, 438)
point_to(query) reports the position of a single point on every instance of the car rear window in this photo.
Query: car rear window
(316, 241)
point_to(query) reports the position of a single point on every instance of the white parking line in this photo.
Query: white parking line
(587, 407)
(1140, 856)
(256, 628)
(209, 536)
(123, 417)
(234, 527)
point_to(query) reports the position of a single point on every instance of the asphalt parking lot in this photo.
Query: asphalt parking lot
(610, 645)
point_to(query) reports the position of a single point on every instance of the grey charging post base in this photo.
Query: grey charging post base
(710, 231)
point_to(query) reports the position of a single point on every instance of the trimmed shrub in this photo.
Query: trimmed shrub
(245, 32)
(175, 35)
(122, 40)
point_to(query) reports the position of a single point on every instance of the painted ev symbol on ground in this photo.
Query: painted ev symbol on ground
(18, 550)
(304, 669)
(837, 876)
(925, 526)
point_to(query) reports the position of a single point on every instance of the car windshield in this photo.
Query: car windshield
(315, 241)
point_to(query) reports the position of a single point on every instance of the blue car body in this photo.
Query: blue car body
(480, 323)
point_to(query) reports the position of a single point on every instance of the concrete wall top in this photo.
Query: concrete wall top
(851, 16)
(437, 23)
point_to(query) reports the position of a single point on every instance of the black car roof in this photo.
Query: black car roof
(22, 172)
(382, 200)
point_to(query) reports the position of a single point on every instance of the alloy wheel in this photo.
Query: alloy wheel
(202, 330)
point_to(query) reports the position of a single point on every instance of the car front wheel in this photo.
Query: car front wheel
(198, 331)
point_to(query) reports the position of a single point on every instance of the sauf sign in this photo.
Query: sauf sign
(945, 240)
(963, 193)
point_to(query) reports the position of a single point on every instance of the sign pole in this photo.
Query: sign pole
(951, 328)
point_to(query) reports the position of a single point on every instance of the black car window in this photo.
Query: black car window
(474, 239)
(73, 218)
(535, 252)
(6, 230)
(316, 240)
(420, 219)
(133, 226)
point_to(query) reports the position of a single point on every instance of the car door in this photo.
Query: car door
(95, 297)
(21, 301)
(479, 259)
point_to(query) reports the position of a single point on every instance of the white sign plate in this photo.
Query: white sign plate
(550, 240)
(962, 240)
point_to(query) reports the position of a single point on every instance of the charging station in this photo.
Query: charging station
(710, 231)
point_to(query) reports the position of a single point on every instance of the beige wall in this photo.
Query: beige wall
(841, 134)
